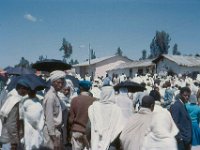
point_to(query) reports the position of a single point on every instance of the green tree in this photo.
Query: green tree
(160, 44)
(67, 49)
(73, 62)
(93, 55)
(119, 52)
(144, 54)
(23, 63)
(175, 50)
(197, 55)
(41, 58)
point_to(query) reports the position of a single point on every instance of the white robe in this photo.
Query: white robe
(162, 131)
(96, 92)
(126, 105)
(33, 115)
(106, 120)
(132, 135)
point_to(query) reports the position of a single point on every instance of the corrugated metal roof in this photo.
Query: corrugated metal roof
(189, 61)
(96, 60)
(135, 64)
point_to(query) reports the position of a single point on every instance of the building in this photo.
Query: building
(177, 64)
(99, 66)
(134, 67)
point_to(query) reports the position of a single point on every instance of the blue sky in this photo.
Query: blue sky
(30, 28)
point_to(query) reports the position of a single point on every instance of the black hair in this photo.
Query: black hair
(147, 101)
(185, 89)
(19, 86)
(155, 94)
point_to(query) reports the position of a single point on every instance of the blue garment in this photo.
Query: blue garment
(194, 112)
(169, 93)
(107, 81)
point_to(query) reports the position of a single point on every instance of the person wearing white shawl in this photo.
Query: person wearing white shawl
(33, 116)
(125, 103)
(162, 131)
(106, 120)
(53, 111)
(132, 135)
(9, 114)
(66, 95)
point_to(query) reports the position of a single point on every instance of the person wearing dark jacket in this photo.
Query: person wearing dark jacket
(182, 119)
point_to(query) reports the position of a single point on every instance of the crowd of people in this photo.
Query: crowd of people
(94, 116)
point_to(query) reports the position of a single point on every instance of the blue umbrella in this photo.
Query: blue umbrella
(35, 82)
(20, 71)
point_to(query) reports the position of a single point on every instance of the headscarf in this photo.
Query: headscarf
(69, 85)
(107, 95)
(86, 85)
(57, 74)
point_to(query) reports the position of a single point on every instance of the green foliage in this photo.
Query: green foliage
(144, 54)
(160, 44)
(41, 58)
(197, 55)
(175, 50)
(73, 62)
(67, 49)
(93, 55)
(23, 63)
(119, 52)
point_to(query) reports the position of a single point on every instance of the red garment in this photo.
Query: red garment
(78, 117)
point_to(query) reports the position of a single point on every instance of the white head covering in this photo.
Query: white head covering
(57, 74)
(107, 95)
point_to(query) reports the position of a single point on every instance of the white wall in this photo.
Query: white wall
(166, 65)
(127, 71)
(102, 67)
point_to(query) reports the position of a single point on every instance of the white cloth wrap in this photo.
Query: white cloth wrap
(57, 74)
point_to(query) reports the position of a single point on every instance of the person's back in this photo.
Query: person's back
(125, 103)
(132, 135)
(106, 120)
(168, 97)
(78, 116)
(33, 116)
(79, 112)
(162, 131)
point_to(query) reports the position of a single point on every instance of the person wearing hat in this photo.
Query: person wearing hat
(78, 116)
(9, 114)
(53, 111)
(194, 112)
